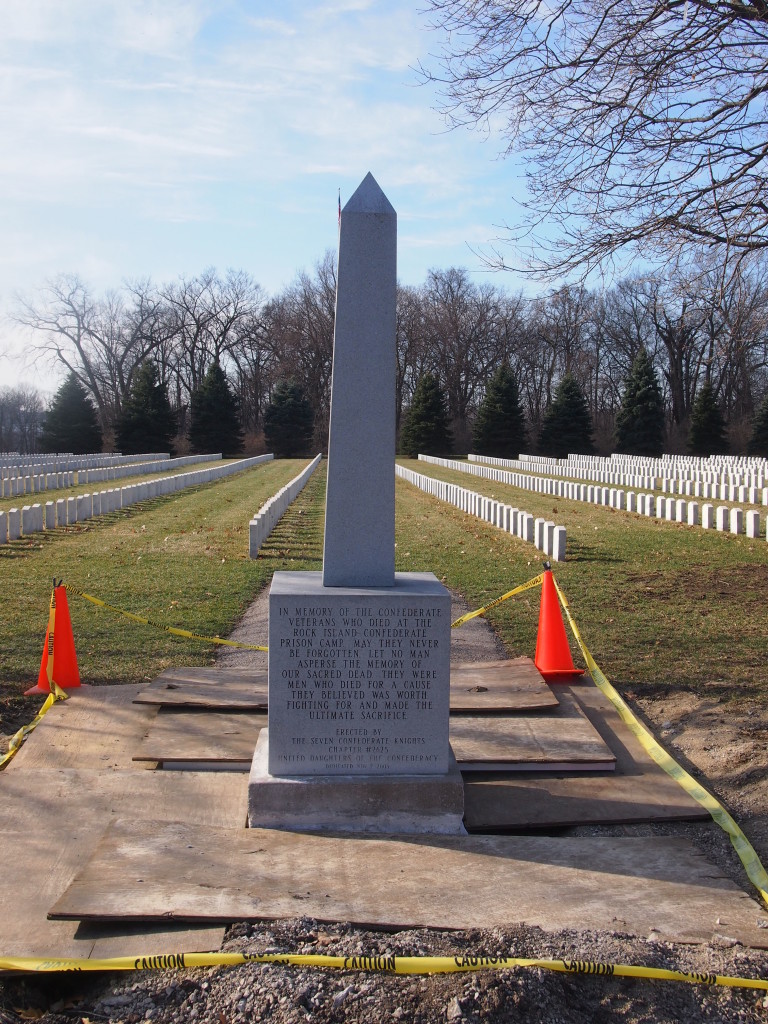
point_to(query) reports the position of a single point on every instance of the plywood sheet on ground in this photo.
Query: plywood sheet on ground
(639, 886)
(211, 688)
(512, 685)
(98, 727)
(638, 790)
(201, 737)
(28, 889)
(51, 820)
(555, 741)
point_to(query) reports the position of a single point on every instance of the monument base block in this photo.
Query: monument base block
(405, 804)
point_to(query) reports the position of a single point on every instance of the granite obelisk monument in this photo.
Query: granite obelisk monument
(359, 656)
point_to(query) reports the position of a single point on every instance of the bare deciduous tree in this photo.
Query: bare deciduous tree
(301, 326)
(21, 417)
(642, 122)
(100, 341)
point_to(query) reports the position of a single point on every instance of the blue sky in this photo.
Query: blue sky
(159, 138)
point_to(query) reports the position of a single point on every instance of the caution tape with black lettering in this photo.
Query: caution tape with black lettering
(378, 963)
(159, 625)
(55, 695)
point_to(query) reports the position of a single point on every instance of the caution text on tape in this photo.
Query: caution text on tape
(390, 964)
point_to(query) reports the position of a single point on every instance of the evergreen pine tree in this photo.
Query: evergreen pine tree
(214, 420)
(707, 431)
(426, 429)
(146, 423)
(499, 429)
(758, 442)
(288, 422)
(640, 420)
(567, 425)
(71, 423)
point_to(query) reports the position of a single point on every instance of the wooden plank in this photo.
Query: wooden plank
(27, 889)
(97, 727)
(127, 939)
(211, 688)
(201, 737)
(637, 791)
(51, 820)
(512, 685)
(555, 741)
(195, 873)
(509, 685)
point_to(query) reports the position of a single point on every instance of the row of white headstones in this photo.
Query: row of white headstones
(35, 478)
(17, 523)
(544, 534)
(725, 518)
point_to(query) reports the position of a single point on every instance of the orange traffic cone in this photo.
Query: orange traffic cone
(553, 655)
(59, 647)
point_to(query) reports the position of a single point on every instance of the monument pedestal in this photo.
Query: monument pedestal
(359, 677)
(405, 804)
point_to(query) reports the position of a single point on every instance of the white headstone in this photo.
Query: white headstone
(14, 524)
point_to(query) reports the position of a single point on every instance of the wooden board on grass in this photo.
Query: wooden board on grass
(201, 737)
(551, 741)
(512, 685)
(51, 820)
(647, 885)
(211, 688)
(638, 790)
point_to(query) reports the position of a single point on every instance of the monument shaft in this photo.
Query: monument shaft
(360, 505)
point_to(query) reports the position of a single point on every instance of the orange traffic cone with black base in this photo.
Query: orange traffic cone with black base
(553, 655)
(59, 661)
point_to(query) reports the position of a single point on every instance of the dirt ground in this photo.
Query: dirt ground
(723, 743)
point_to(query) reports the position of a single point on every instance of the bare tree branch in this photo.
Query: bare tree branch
(642, 123)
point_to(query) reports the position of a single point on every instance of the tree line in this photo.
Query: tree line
(700, 329)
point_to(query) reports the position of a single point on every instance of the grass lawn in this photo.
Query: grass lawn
(181, 560)
(659, 604)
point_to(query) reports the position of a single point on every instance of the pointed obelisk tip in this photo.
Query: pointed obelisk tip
(368, 198)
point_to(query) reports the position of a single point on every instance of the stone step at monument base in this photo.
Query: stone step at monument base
(404, 804)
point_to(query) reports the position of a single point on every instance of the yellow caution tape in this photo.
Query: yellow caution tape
(535, 582)
(55, 695)
(381, 963)
(18, 738)
(168, 629)
(747, 855)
